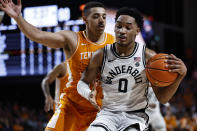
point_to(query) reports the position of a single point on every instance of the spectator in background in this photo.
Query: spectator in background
(170, 120)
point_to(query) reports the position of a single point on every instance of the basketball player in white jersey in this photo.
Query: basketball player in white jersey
(156, 120)
(123, 78)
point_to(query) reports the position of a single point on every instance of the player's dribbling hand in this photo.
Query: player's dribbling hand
(10, 8)
(92, 98)
(176, 65)
(49, 103)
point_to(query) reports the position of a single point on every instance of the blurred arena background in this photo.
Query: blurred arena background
(170, 27)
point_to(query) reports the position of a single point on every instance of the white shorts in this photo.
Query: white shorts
(119, 121)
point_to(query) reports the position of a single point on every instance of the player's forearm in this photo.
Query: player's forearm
(166, 93)
(83, 89)
(35, 34)
(46, 88)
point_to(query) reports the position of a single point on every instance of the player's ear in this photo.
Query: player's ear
(137, 30)
(115, 27)
(84, 19)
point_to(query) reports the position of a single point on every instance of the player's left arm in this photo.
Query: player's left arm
(149, 53)
(57, 72)
(174, 64)
(89, 76)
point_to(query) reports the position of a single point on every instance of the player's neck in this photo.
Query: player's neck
(95, 37)
(125, 50)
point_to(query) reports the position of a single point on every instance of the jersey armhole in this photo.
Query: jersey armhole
(144, 55)
(104, 58)
(78, 41)
(63, 77)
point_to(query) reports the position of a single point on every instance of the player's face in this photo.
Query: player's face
(96, 20)
(126, 30)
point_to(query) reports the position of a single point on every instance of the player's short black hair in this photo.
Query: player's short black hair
(133, 13)
(90, 5)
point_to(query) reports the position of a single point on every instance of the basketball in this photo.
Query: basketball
(156, 72)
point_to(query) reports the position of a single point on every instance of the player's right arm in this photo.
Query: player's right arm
(57, 72)
(53, 40)
(164, 94)
(89, 76)
(149, 53)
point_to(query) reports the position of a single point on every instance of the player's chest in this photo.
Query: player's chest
(85, 53)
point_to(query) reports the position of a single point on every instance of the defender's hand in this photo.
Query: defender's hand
(49, 104)
(92, 98)
(10, 8)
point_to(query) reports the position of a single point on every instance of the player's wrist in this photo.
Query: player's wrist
(17, 17)
(83, 89)
(90, 96)
(87, 94)
(48, 97)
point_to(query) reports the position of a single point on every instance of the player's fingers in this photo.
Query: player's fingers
(93, 101)
(6, 1)
(1, 6)
(51, 106)
(2, 3)
(173, 66)
(170, 56)
(172, 61)
(173, 56)
(180, 71)
(94, 87)
(18, 2)
(95, 105)
(93, 92)
(46, 108)
(93, 95)
(90, 96)
(99, 109)
(174, 70)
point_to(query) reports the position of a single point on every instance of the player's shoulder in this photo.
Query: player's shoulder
(109, 34)
(69, 36)
(110, 37)
(67, 32)
(150, 53)
(59, 67)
